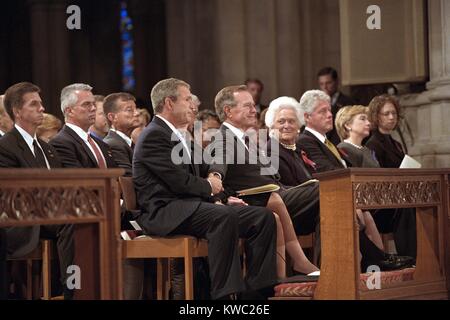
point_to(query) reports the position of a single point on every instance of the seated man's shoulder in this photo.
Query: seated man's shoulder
(7, 139)
(306, 138)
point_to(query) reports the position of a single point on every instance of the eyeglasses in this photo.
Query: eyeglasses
(86, 105)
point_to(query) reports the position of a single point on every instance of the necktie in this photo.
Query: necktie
(39, 155)
(333, 149)
(100, 161)
(247, 141)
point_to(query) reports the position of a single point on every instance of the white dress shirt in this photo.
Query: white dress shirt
(123, 136)
(237, 132)
(29, 140)
(178, 134)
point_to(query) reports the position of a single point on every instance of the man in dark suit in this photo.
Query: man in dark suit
(315, 105)
(256, 88)
(75, 147)
(240, 164)
(20, 148)
(122, 115)
(316, 108)
(249, 167)
(328, 82)
(175, 200)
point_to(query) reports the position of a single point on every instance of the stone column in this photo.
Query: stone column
(428, 113)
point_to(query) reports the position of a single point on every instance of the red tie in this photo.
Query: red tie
(98, 154)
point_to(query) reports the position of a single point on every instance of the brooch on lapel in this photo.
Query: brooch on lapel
(50, 153)
(308, 161)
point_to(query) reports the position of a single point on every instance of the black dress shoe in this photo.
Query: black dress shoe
(395, 262)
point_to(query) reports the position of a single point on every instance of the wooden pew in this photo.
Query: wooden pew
(87, 198)
(344, 191)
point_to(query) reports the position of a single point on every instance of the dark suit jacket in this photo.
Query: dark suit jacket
(342, 101)
(74, 152)
(388, 151)
(319, 153)
(15, 153)
(122, 152)
(237, 172)
(168, 193)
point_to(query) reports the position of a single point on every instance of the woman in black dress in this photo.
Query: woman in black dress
(384, 114)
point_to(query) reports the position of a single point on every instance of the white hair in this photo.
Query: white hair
(196, 100)
(69, 96)
(279, 104)
(309, 100)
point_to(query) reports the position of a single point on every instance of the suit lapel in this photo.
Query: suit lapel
(106, 151)
(50, 155)
(169, 133)
(27, 155)
(325, 149)
(80, 141)
(118, 138)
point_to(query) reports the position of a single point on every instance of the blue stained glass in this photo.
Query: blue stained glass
(126, 26)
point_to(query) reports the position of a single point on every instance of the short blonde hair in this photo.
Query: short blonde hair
(345, 116)
(50, 122)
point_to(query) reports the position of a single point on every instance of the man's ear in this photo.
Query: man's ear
(305, 117)
(227, 111)
(15, 112)
(110, 116)
(168, 102)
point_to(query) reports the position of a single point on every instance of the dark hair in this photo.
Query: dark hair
(254, 80)
(207, 114)
(328, 71)
(378, 103)
(14, 96)
(110, 102)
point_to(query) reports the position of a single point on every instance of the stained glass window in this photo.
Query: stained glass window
(126, 27)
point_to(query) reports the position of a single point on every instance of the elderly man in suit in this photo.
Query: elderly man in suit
(75, 146)
(176, 200)
(241, 166)
(316, 108)
(20, 148)
(328, 81)
(122, 115)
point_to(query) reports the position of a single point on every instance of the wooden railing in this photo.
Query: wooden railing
(344, 191)
(87, 198)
